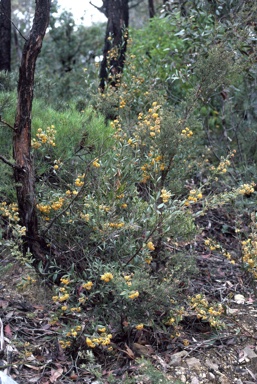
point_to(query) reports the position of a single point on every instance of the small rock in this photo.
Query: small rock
(239, 299)
(211, 365)
(177, 357)
(211, 376)
(192, 362)
(195, 380)
(249, 352)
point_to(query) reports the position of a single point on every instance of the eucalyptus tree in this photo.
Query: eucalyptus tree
(5, 35)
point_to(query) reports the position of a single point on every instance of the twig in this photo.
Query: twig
(7, 162)
(5, 123)
(139, 249)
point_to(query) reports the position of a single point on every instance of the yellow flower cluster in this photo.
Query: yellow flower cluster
(44, 137)
(65, 281)
(79, 182)
(213, 246)
(140, 326)
(246, 189)
(61, 298)
(122, 103)
(88, 285)
(128, 278)
(47, 208)
(105, 208)
(74, 331)
(186, 132)
(134, 295)
(121, 196)
(177, 314)
(107, 277)
(28, 281)
(9, 211)
(148, 259)
(165, 195)
(150, 246)
(205, 311)
(193, 197)
(223, 165)
(116, 225)
(85, 216)
(155, 164)
(102, 340)
(249, 251)
(96, 163)
(65, 344)
(69, 193)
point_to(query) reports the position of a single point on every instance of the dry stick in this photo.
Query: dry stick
(5, 123)
(7, 161)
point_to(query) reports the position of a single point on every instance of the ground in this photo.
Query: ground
(31, 352)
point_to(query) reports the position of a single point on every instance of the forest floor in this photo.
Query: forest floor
(31, 352)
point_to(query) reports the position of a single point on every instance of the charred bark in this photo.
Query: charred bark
(5, 35)
(24, 169)
(117, 12)
(151, 8)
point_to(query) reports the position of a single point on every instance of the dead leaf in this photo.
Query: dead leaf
(143, 350)
(73, 376)
(129, 352)
(56, 374)
(8, 331)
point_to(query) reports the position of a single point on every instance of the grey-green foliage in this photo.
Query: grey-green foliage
(67, 60)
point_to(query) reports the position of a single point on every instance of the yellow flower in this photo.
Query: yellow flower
(150, 246)
(134, 295)
(102, 330)
(96, 164)
(88, 285)
(107, 277)
(165, 195)
(64, 297)
(139, 326)
(89, 343)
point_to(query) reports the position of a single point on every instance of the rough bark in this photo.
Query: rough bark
(5, 35)
(24, 169)
(117, 12)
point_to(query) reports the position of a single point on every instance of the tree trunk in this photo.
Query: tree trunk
(24, 169)
(151, 8)
(117, 12)
(5, 35)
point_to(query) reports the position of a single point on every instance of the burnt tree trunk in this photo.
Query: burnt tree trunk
(5, 35)
(151, 8)
(24, 169)
(117, 12)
